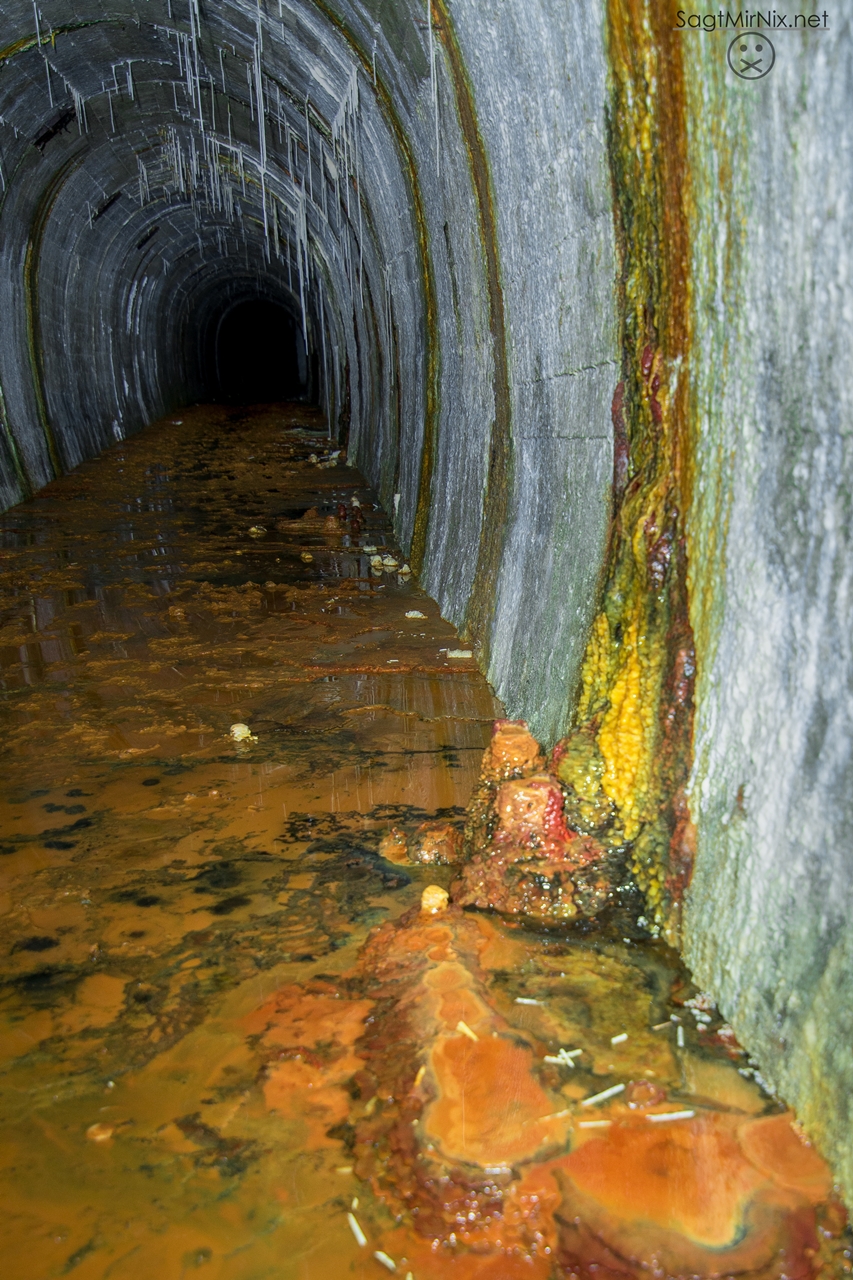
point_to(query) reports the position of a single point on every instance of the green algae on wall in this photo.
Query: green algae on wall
(626, 763)
(766, 924)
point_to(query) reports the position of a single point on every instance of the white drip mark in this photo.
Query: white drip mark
(433, 80)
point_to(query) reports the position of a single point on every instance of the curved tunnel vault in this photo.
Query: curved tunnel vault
(160, 170)
(164, 163)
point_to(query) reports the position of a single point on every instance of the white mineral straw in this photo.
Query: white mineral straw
(600, 1097)
(360, 1237)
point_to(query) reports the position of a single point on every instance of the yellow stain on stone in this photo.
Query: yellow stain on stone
(627, 675)
(622, 738)
(624, 718)
(596, 665)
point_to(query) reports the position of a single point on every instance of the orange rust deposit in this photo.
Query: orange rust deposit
(358, 982)
(513, 752)
(489, 1108)
(774, 1147)
(524, 859)
(457, 1124)
(685, 1197)
(685, 1178)
(435, 843)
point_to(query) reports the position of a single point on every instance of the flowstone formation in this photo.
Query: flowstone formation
(524, 858)
(522, 853)
(519, 1096)
(485, 1147)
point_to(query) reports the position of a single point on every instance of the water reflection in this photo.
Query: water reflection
(207, 1063)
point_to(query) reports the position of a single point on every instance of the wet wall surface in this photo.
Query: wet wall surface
(768, 926)
(231, 1041)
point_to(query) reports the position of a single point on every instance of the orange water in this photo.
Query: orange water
(162, 883)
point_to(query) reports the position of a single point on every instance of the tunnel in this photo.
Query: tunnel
(258, 355)
(570, 288)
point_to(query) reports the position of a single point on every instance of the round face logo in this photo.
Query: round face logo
(751, 56)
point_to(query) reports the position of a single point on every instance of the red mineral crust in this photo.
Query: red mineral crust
(435, 843)
(498, 1149)
(524, 860)
(447, 1113)
(687, 1198)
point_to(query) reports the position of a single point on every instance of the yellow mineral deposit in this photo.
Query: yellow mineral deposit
(434, 900)
(242, 733)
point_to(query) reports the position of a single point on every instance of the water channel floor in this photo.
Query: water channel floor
(232, 1041)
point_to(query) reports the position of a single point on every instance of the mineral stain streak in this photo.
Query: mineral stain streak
(627, 759)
